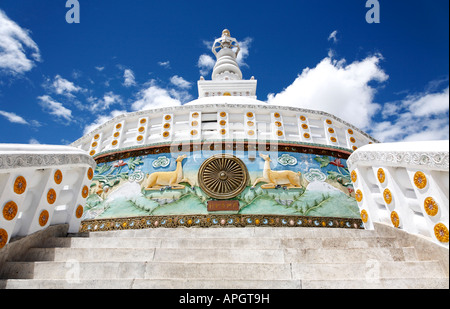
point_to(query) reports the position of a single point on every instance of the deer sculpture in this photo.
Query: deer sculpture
(276, 179)
(162, 180)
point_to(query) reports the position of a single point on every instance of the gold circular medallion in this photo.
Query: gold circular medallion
(118, 126)
(79, 212)
(395, 219)
(194, 132)
(381, 175)
(116, 134)
(276, 115)
(350, 131)
(85, 192)
(96, 136)
(222, 122)
(51, 196)
(354, 176)
(166, 126)
(251, 132)
(331, 130)
(143, 121)
(302, 118)
(431, 207)
(420, 180)
(167, 118)
(223, 176)
(194, 123)
(306, 135)
(358, 196)
(3, 238)
(354, 148)
(20, 185)
(352, 139)
(90, 173)
(195, 115)
(441, 232)
(364, 216)
(278, 124)
(92, 152)
(43, 218)
(10, 210)
(280, 133)
(387, 195)
(223, 114)
(166, 134)
(94, 144)
(139, 138)
(58, 177)
(304, 126)
(333, 139)
(114, 142)
(328, 121)
(141, 129)
(249, 115)
(250, 123)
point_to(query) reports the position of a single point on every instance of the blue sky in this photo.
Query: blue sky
(59, 80)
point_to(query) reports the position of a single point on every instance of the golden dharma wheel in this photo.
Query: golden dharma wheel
(223, 176)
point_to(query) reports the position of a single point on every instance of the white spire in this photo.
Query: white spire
(226, 50)
(226, 76)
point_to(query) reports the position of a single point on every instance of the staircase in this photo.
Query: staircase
(230, 258)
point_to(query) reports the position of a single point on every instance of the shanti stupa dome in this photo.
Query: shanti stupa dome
(223, 153)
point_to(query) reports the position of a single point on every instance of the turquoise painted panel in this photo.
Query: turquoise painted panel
(119, 188)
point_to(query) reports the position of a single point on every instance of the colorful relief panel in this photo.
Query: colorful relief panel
(270, 183)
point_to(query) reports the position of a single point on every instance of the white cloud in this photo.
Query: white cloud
(16, 47)
(33, 141)
(104, 103)
(11, 117)
(180, 82)
(337, 88)
(153, 97)
(333, 36)
(99, 68)
(62, 86)
(244, 52)
(205, 64)
(129, 79)
(55, 108)
(164, 64)
(418, 117)
(101, 120)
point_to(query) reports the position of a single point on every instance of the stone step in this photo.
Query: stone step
(239, 255)
(403, 283)
(222, 271)
(248, 232)
(150, 284)
(146, 270)
(216, 243)
(253, 243)
(370, 270)
(393, 283)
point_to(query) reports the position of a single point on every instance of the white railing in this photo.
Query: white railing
(40, 186)
(221, 121)
(405, 185)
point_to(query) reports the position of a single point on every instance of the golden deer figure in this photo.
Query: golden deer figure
(160, 180)
(274, 179)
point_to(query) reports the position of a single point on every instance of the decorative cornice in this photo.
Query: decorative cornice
(186, 107)
(25, 160)
(428, 160)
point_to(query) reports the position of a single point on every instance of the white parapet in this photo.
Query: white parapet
(40, 186)
(405, 185)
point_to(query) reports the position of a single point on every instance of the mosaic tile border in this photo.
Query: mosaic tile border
(225, 146)
(217, 221)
